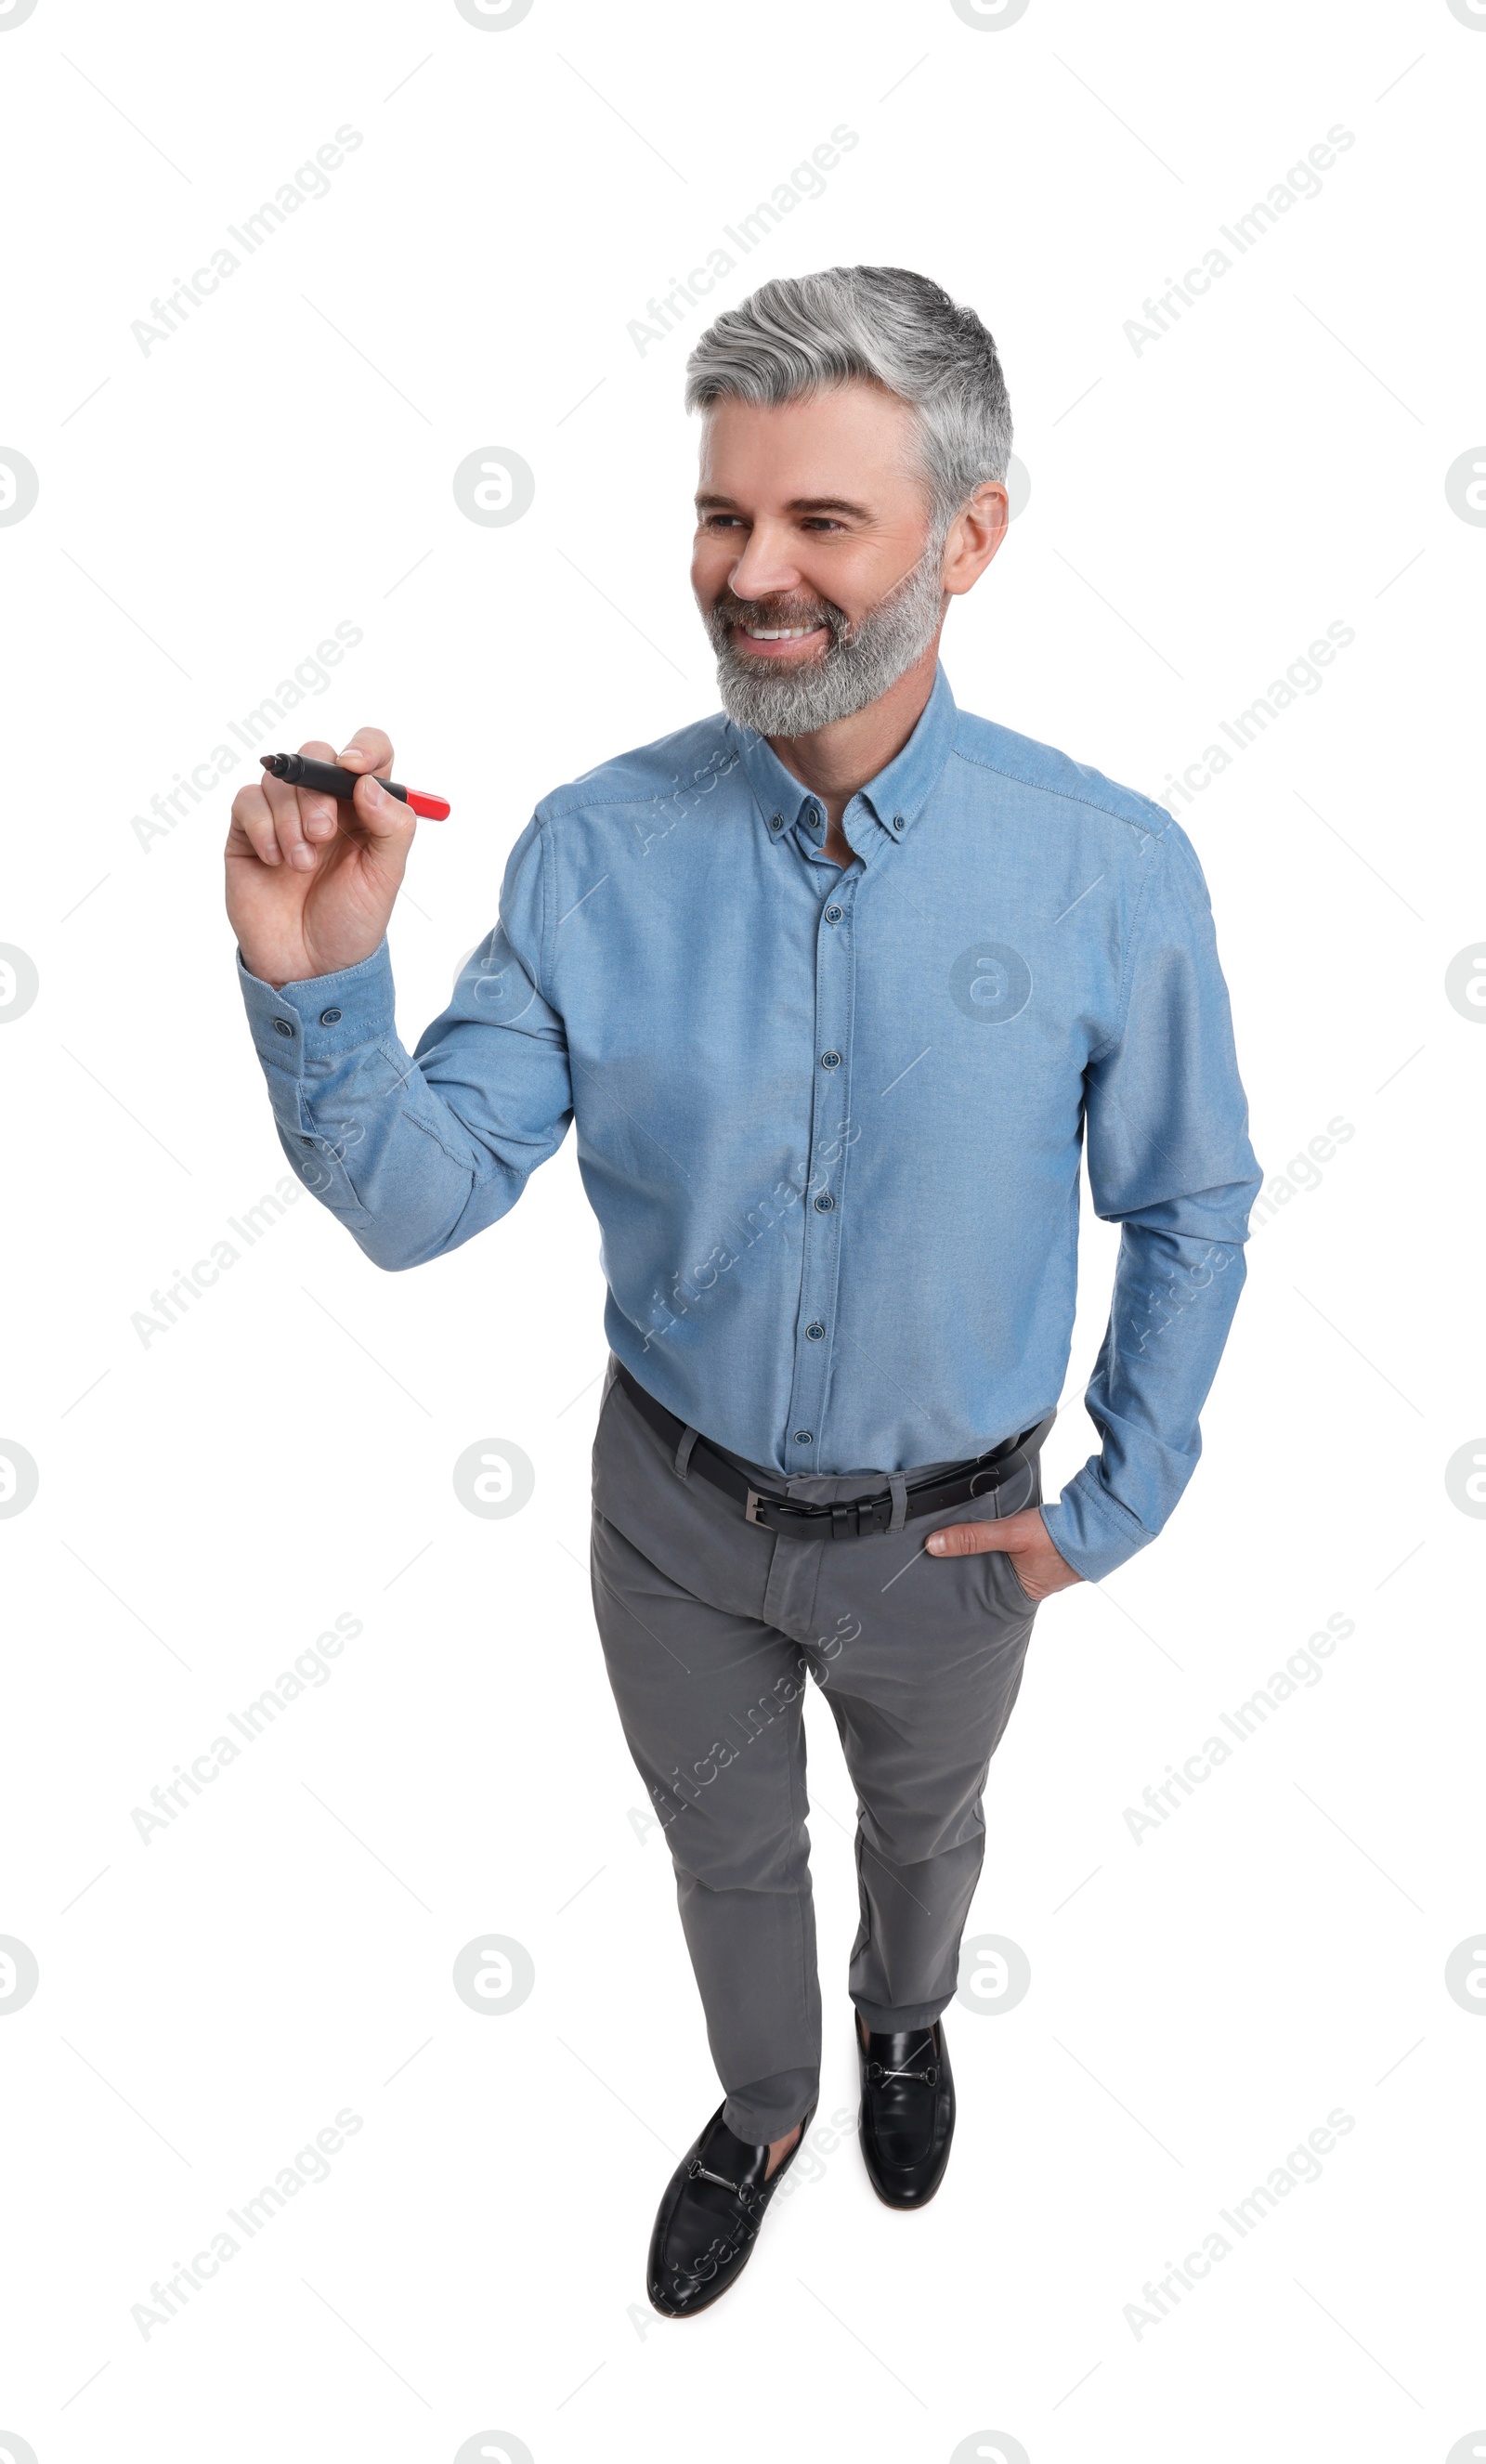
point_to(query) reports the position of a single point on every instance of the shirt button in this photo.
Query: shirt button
(328, 1017)
(803, 1438)
(824, 1202)
(281, 1026)
(830, 1060)
(833, 915)
(776, 820)
(816, 1332)
(897, 821)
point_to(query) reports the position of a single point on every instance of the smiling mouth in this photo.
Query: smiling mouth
(776, 641)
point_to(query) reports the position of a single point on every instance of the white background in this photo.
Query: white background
(1201, 510)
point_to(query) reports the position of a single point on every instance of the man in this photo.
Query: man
(835, 988)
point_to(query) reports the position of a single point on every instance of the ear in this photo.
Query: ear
(974, 535)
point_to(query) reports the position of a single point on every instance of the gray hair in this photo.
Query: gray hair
(803, 333)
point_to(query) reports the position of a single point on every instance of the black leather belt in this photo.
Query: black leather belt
(977, 1476)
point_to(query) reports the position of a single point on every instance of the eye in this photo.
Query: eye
(718, 521)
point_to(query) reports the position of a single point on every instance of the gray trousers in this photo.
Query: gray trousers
(711, 1627)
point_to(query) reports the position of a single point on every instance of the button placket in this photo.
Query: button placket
(829, 1121)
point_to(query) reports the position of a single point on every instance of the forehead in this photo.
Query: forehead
(854, 441)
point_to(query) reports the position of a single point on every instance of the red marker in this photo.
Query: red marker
(324, 779)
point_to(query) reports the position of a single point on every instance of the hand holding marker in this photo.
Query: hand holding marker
(316, 855)
(324, 779)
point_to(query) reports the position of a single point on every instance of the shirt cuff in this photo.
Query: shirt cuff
(314, 1021)
(1091, 1532)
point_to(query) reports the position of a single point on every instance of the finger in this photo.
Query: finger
(368, 750)
(964, 1540)
(253, 825)
(318, 812)
(968, 1539)
(284, 805)
(1021, 1530)
(381, 815)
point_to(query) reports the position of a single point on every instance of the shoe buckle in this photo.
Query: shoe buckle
(696, 2170)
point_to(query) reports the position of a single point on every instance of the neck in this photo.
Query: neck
(835, 762)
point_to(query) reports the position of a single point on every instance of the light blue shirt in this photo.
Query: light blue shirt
(830, 1121)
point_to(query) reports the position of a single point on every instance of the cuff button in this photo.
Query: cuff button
(328, 1017)
(281, 1026)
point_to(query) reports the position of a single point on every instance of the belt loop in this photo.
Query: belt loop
(897, 1481)
(683, 1454)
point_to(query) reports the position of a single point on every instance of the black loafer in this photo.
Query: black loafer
(708, 2219)
(907, 2112)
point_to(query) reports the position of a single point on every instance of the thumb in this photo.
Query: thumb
(971, 1539)
(381, 815)
(956, 1540)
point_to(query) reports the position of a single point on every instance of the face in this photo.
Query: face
(814, 567)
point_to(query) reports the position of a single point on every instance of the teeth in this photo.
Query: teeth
(780, 634)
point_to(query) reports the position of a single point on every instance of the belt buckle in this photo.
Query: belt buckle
(755, 1508)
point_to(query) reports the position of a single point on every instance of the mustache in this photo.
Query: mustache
(728, 609)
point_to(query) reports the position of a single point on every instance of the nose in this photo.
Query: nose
(766, 568)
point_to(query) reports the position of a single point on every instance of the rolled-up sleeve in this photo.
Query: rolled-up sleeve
(416, 1153)
(1169, 1160)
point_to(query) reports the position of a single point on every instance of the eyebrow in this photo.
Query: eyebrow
(708, 500)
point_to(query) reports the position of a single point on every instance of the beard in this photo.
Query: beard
(859, 664)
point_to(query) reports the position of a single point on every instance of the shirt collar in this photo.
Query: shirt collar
(896, 796)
